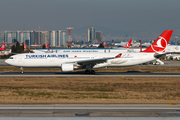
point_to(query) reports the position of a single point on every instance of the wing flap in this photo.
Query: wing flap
(158, 56)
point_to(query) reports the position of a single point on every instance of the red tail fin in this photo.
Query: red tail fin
(161, 42)
(47, 46)
(128, 44)
(3, 47)
(25, 46)
(104, 44)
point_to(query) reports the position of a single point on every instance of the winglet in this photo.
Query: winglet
(128, 44)
(161, 43)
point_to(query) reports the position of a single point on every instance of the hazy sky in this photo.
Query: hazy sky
(127, 15)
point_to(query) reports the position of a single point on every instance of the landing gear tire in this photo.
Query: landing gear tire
(87, 71)
(92, 72)
(22, 71)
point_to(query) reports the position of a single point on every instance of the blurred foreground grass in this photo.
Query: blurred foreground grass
(90, 90)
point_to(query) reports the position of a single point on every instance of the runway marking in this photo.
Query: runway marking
(171, 104)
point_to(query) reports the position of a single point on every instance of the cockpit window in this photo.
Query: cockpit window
(11, 58)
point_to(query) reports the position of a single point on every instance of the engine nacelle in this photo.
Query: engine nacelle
(67, 67)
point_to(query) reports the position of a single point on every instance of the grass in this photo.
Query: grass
(90, 90)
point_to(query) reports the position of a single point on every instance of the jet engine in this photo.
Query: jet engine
(67, 67)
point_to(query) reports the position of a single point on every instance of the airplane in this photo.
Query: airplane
(123, 44)
(117, 50)
(104, 44)
(47, 46)
(25, 46)
(71, 61)
(128, 44)
(2, 48)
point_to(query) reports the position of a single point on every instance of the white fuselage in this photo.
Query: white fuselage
(57, 59)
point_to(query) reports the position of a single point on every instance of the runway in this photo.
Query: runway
(98, 74)
(89, 110)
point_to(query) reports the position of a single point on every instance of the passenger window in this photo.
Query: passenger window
(11, 58)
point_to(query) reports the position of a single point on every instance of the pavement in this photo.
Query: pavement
(98, 74)
(90, 110)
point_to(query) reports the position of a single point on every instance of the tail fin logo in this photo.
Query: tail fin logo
(160, 45)
(128, 44)
(161, 42)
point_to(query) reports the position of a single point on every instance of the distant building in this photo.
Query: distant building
(9, 36)
(17, 36)
(55, 38)
(44, 37)
(58, 38)
(36, 36)
(99, 36)
(94, 41)
(23, 36)
(63, 38)
(90, 34)
(52, 37)
(32, 40)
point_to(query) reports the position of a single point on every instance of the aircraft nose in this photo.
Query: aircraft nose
(7, 61)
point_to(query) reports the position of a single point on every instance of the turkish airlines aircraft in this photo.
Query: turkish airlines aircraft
(25, 46)
(128, 44)
(74, 50)
(72, 61)
(2, 48)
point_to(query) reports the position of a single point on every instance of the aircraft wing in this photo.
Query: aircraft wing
(158, 56)
(93, 61)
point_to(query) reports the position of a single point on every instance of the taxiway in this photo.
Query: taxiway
(98, 74)
(89, 110)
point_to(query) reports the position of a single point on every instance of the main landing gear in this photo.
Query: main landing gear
(22, 71)
(88, 70)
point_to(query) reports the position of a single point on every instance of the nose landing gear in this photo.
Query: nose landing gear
(22, 71)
